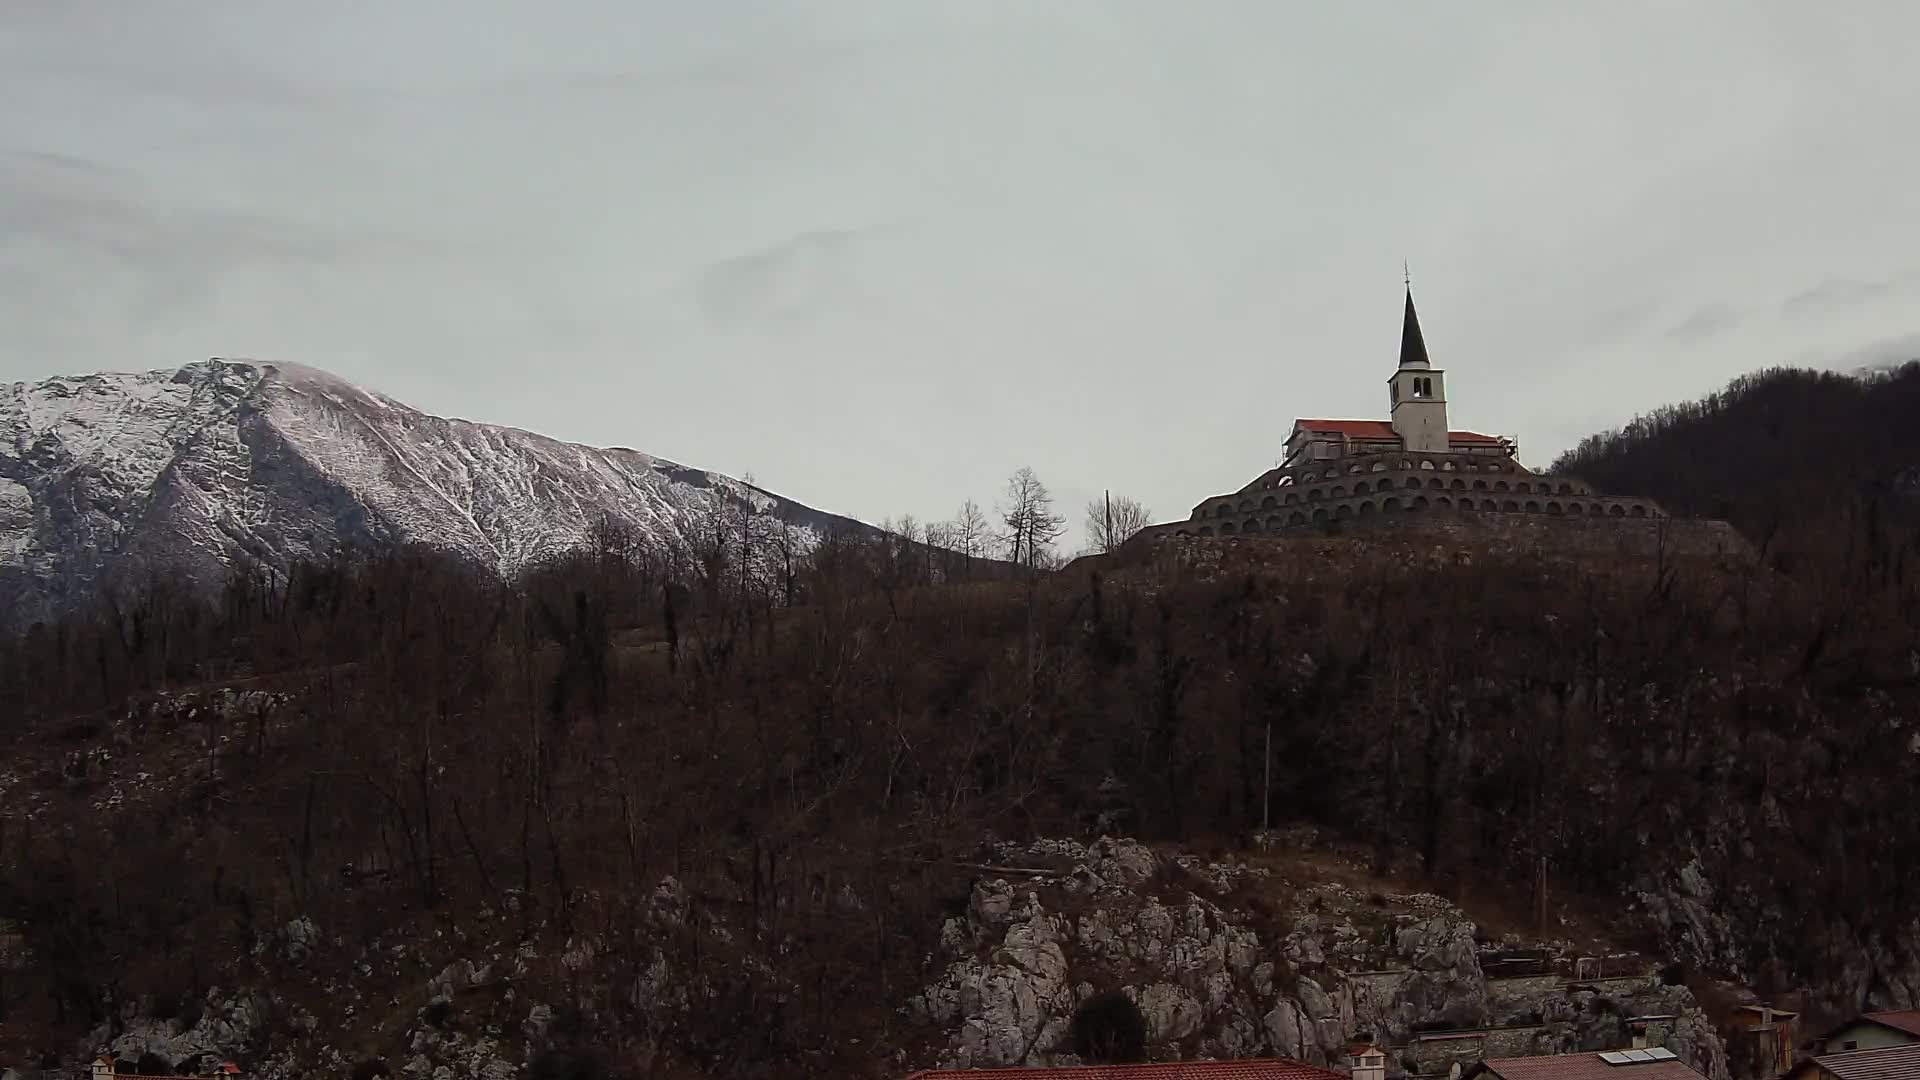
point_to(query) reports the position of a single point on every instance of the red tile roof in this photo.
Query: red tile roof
(1269, 1069)
(1382, 430)
(1907, 1020)
(1352, 429)
(1584, 1067)
(1886, 1063)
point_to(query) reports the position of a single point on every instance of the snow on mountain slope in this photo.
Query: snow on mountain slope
(195, 469)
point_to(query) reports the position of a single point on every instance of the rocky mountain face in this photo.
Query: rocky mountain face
(1220, 965)
(1222, 958)
(226, 462)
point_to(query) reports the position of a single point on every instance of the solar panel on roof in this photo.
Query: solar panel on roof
(1614, 1057)
(1661, 1053)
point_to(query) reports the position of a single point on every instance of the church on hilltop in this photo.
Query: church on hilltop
(1335, 472)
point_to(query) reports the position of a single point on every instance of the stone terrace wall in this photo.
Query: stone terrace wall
(1330, 550)
(1638, 537)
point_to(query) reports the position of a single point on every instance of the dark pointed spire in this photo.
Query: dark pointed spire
(1413, 345)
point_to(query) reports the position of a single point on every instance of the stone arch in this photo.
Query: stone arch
(1616, 510)
(1412, 482)
(1338, 492)
(1206, 530)
(1448, 466)
(1251, 526)
(1419, 503)
(1246, 506)
(1315, 495)
(1553, 507)
(1500, 485)
(1344, 510)
(1320, 514)
(1296, 518)
(1354, 469)
(1489, 504)
(1533, 506)
(1275, 524)
(1522, 486)
(1378, 466)
(1289, 499)
(1367, 508)
(1566, 489)
(1639, 511)
(1227, 528)
(1427, 465)
(1574, 509)
(1479, 485)
(1437, 484)
(1360, 488)
(1510, 506)
(1443, 503)
(1182, 532)
(1458, 484)
(1269, 503)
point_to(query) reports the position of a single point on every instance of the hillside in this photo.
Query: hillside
(229, 464)
(1778, 452)
(634, 817)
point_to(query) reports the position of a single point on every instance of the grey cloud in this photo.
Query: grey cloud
(781, 281)
(1621, 322)
(1834, 293)
(83, 205)
(1706, 322)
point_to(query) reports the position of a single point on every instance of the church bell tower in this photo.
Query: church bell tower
(1419, 392)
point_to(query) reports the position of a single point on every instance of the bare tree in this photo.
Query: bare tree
(969, 534)
(1112, 521)
(1031, 526)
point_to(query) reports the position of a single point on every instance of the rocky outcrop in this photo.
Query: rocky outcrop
(225, 1026)
(1221, 959)
(1215, 973)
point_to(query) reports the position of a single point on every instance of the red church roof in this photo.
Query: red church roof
(1352, 429)
(1382, 430)
(1269, 1069)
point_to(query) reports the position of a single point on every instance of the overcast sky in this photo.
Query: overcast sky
(880, 254)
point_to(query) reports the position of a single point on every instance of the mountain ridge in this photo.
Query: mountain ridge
(196, 469)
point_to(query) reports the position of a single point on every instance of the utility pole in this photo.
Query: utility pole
(1540, 906)
(1266, 782)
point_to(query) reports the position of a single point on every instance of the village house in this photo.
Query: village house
(1645, 1063)
(1899, 1062)
(1262, 1069)
(105, 1067)
(1763, 1039)
(1871, 1031)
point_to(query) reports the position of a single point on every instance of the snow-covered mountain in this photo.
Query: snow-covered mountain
(193, 470)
